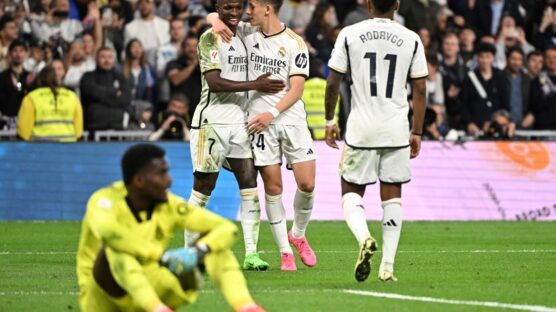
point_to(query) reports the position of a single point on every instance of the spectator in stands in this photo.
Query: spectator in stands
(500, 127)
(15, 82)
(105, 94)
(418, 13)
(360, 13)
(141, 112)
(487, 15)
(50, 112)
(547, 29)
(184, 73)
(113, 20)
(510, 36)
(197, 24)
(520, 84)
(91, 43)
(534, 63)
(42, 10)
(164, 54)
(59, 69)
(150, 29)
(35, 62)
(138, 72)
(467, 39)
(485, 90)
(57, 28)
(542, 103)
(430, 46)
(175, 121)
(8, 33)
(184, 9)
(77, 65)
(318, 30)
(452, 68)
(302, 15)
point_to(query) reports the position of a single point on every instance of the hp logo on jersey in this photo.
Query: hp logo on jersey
(301, 60)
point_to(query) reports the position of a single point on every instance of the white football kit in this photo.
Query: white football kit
(380, 55)
(284, 55)
(218, 125)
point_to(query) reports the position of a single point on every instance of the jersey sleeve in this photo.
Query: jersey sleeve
(419, 67)
(339, 58)
(208, 53)
(217, 232)
(299, 58)
(103, 222)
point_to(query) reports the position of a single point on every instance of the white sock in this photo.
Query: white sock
(196, 199)
(391, 229)
(250, 214)
(303, 207)
(356, 219)
(277, 220)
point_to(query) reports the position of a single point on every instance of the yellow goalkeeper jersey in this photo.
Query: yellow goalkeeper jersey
(110, 221)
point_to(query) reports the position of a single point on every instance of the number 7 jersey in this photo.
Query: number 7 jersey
(381, 56)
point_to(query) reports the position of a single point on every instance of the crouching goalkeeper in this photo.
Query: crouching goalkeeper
(122, 264)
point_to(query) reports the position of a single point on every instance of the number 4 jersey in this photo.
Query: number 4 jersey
(381, 55)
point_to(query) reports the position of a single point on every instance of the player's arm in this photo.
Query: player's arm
(218, 232)
(419, 88)
(219, 27)
(261, 121)
(262, 84)
(103, 223)
(333, 82)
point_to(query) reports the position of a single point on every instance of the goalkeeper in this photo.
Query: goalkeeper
(121, 262)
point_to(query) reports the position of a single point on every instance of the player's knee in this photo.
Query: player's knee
(273, 190)
(306, 186)
(247, 182)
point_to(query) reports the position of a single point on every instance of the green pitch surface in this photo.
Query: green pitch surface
(455, 266)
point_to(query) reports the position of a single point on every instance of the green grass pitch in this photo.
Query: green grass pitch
(466, 262)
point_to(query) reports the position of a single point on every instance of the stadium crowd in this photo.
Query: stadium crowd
(134, 66)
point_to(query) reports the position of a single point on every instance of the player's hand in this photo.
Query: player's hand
(259, 123)
(263, 84)
(415, 145)
(222, 30)
(180, 260)
(332, 133)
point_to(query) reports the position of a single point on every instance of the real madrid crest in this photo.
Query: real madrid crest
(282, 52)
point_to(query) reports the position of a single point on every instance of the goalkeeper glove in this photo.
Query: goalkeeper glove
(180, 260)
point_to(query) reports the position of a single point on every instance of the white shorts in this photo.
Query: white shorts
(294, 142)
(363, 166)
(211, 145)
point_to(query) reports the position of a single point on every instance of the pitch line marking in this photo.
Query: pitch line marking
(490, 304)
(4, 253)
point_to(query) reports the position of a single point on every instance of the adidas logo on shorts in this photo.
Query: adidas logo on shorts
(310, 152)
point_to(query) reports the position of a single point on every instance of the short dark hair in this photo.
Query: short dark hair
(276, 4)
(4, 20)
(137, 157)
(383, 6)
(485, 47)
(17, 43)
(534, 53)
(512, 50)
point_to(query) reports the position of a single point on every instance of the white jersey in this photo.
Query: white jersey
(284, 55)
(221, 108)
(381, 55)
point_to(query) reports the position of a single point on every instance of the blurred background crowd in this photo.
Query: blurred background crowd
(133, 63)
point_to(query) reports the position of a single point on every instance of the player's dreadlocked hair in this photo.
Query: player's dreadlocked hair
(384, 6)
(137, 158)
(276, 4)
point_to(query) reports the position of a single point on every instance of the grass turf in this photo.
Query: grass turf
(506, 262)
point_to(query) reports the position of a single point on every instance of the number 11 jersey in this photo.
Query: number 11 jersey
(381, 55)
